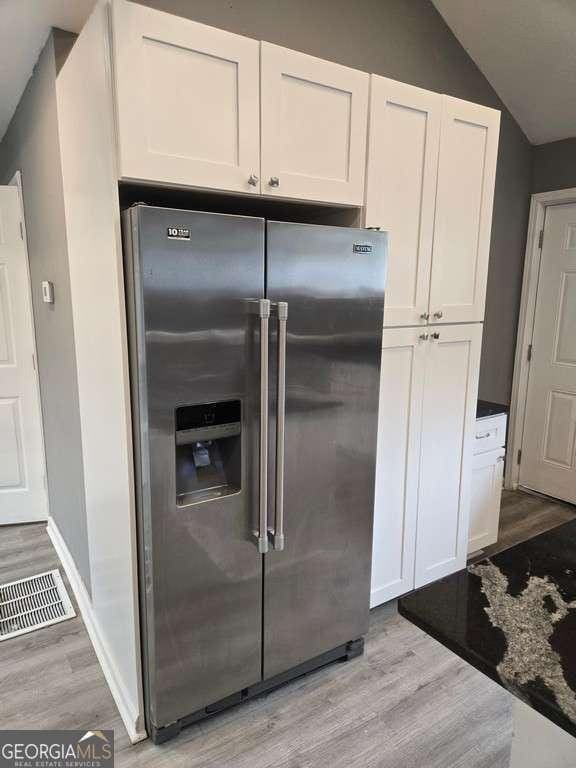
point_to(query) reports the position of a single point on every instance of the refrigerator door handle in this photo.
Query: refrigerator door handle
(278, 534)
(263, 309)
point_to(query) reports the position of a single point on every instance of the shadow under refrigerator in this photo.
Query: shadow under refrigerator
(255, 357)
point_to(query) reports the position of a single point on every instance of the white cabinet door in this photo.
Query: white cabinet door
(465, 193)
(314, 117)
(448, 425)
(487, 474)
(397, 463)
(187, 101)
(401, 190)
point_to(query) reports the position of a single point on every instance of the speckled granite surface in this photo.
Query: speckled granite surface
(513, 616)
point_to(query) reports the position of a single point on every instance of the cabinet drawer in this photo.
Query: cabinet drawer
(490, 433)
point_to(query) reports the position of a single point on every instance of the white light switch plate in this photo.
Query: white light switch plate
(47, 292)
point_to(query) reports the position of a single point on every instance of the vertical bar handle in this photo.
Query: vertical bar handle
(262, 533)
(278, 537)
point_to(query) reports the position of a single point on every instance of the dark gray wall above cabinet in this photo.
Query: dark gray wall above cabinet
(554, 166)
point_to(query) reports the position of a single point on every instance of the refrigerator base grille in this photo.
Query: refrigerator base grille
(346, 652)
(31, 603)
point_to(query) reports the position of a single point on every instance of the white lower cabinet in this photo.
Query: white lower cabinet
(397, 463)
(426, 426)
(487, 474)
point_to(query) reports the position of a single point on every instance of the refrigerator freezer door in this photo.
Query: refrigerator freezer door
(316, 590)
(195, 370)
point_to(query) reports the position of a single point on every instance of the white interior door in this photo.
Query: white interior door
(187, 101)
(22, 489)
(401, 191)
(465, 194)
(448, 427)
(314, 118)
(549, 444)
(397, 463)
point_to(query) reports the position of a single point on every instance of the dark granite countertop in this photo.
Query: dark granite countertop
(486, 408)
(513, 616)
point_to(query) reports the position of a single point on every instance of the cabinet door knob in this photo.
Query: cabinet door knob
(253, 180)
(438, 315)
(425, 316)
(435, 335)
(274, 181)
(424, 336)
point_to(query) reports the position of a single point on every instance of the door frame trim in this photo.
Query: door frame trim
(538, 205)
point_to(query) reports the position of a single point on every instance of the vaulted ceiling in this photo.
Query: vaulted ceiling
(527, 51)
(525, 48)
(24, 27)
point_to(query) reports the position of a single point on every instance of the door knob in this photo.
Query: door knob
(274, 181)
(253, 180)
(438, 315)
(425, 316)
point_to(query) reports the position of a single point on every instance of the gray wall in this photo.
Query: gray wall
(554, 166)
(31, 146)
(407, 40)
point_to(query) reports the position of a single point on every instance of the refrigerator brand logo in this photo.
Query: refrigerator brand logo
(361, 248)
(178, 233)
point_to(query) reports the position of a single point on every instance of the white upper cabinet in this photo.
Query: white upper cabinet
(188, 105)
(401, 190)
(314, 121)
(465, 194)
(430, 183)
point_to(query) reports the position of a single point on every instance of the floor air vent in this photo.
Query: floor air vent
(32, 603)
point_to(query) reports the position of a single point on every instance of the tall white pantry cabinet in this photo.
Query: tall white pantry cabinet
(430, 183)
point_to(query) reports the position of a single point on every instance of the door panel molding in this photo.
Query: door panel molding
(207, 80)
(404, 140)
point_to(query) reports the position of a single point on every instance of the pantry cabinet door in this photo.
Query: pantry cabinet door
(187, 101)
(314, 118)
(448, 428)
(401, 190)
(466, 175)
(397, 463)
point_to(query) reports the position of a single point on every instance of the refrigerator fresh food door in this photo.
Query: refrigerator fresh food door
(316, 588)
(193, 284)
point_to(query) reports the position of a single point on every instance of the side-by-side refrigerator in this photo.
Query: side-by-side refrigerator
(255, 356)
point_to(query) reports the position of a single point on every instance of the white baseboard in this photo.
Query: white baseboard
(131, 718)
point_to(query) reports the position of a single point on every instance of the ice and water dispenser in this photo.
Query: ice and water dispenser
(208, 451)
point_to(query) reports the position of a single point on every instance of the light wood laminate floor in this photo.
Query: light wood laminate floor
(525, 515)
(407, 703)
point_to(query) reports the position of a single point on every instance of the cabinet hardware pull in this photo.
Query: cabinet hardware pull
(484, 436)
(424, 336)
(262, 308)
(438, 314)
(435, 335)
(253, 180)
(425, 316)
(278, 540)
(274, 181)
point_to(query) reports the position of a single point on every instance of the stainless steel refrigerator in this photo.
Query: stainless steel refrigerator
(255, 355)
